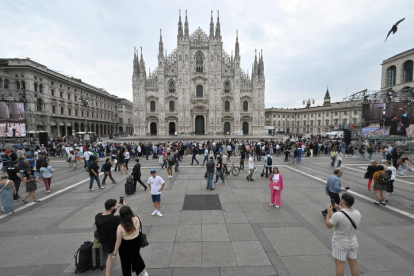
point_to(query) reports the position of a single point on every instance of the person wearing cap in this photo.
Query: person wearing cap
(7, 190)
(156, 185)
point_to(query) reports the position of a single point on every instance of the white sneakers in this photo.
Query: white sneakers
(170, 176)
(156, 212)
(91, 190)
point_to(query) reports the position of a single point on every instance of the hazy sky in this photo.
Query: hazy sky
(307, 44)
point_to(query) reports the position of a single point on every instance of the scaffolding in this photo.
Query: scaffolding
(356, 101)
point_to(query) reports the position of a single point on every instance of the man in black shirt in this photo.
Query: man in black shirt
(13, 173)
(210, 173)
(399, 123)
(106, 225)
(136, 173)
(94, 174)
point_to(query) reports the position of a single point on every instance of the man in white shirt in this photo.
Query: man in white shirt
(251, 167)
(344, 240)
(87, 155)
(205, 155)
(156, 185)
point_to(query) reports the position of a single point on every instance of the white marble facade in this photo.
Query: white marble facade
(198, 88)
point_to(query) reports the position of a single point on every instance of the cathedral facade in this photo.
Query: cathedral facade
(198, 88)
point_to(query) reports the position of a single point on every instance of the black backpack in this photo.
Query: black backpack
(103, 167)
(83, 257)
(269, 160)
(384, 179)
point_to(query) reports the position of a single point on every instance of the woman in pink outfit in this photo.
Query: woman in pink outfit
(276, 187)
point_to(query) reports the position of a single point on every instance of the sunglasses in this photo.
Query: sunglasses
(152, 172)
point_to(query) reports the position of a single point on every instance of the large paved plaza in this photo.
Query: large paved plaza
(247, 237)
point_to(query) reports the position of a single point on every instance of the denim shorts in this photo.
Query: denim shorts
(156, 198)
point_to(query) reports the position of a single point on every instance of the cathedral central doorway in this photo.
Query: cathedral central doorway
(172, 128)
(226, 128)
(245, 128)
(153, 129)
(199, 125)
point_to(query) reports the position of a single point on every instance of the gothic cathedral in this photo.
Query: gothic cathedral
(198, 89)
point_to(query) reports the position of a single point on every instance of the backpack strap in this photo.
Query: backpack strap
(352, 222)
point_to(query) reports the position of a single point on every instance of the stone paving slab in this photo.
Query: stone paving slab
(217, 254)
(186, 255)
(250, 253)
(320, 265)
(248, 271)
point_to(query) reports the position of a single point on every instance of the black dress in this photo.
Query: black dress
(131, 259)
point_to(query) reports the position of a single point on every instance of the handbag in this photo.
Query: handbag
(275, 187)
(143, 238)
(366, 175)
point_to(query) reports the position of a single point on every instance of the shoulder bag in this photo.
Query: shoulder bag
(352, 222)
(143, 238)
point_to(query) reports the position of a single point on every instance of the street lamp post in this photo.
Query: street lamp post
(85, 103)
(307, 103)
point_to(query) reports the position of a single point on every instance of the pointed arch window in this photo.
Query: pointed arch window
(152, 106)
(199, 62)
(172, 106)
(391, 72)
(408, 71)
(226, 106)
(171, 86)
(245, 106)
(199, 91)
(227, 87)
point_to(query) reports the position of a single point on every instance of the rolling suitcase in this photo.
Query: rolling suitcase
(129, 186)
(99, 256)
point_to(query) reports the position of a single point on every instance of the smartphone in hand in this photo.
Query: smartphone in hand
(347, 188)
(333, 203)
(121, 200)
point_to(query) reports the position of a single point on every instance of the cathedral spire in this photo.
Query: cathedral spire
(211, 25)
(237, 50)
(180, 27)
(161, 45)
(327, 98)
(136, 62)
(186, 33)
(255, 68)
(218, 32)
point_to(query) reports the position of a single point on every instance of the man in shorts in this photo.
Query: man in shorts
(106, 225)
(156, 185)
(344, 240)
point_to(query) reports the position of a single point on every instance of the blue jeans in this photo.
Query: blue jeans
(299, 158)
(339, 163)
(333, 162)
(369, 156)
(176, 166)
(210, 180)
(221, 176)
(205, 159)
(343, 151)
(93, 177)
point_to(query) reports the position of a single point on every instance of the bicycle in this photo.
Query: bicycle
(233, 169)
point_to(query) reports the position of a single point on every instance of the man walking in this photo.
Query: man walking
(94, 174)
(87, 155)
(381, 180)
(106, 225)
(136, 174)
(268, 164)
(333, 188)
(156, 184)
(177, 159)
(194, 156)
(251, 167)
(205, 155)
(210, 173)
(344, 240)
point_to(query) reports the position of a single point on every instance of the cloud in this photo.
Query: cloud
(307, 45)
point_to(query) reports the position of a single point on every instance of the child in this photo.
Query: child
(156, 184)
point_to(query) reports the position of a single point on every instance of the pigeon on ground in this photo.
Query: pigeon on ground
(394, 28)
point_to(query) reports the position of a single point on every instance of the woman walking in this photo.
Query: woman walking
(276, 187)
(31, 186)
(126, 158)
(7, 192)
(371, 169)
(128, 243)
(219, 171)
(106, 168)
(46, 173)
(72, 160)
